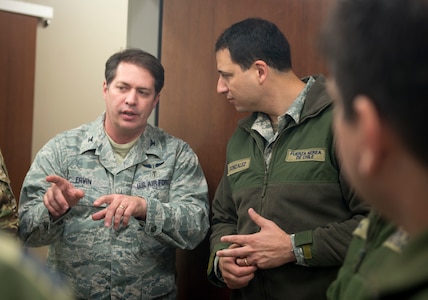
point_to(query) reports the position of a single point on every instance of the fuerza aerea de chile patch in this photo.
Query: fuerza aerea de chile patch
(312, 154)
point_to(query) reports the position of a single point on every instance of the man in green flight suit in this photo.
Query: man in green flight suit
(377, 56)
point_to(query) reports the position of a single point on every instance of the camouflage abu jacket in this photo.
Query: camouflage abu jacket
(136, 262)
(8, 213)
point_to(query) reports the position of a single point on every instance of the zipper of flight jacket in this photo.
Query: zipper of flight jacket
(262, 148)
(268, 167)
(371, 234)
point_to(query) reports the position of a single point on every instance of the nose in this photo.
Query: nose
(131, 97)
(221, 86)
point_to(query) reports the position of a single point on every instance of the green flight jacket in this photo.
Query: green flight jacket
(302, 191)
(404, 276)
(24, 277)
(375, 241)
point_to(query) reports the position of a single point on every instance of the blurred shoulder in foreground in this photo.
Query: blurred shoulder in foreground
(22, 277)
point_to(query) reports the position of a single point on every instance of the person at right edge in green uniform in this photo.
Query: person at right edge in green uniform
(377, 55)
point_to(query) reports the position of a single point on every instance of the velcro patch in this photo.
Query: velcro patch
(307, 252)
(362, 229)
(313, 154)
(238, 166)
(397, 241)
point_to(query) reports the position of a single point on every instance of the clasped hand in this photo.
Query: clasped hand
(269, 248)
(62, 195)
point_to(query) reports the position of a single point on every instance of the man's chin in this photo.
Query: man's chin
(241, 109)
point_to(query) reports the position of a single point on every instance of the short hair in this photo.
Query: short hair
(137, 57)
(253, 39)
(379, 48)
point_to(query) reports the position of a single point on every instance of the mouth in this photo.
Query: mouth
(128, 113)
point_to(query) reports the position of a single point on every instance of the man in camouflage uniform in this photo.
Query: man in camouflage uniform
(8, 212)
(114, 198)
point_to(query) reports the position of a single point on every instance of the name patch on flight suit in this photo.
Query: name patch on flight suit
(238, 166)
(397, 241)
(312, 154)
(362, 229)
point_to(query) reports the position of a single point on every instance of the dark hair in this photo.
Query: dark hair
(253, 39)
(379, 48)
(139, 58)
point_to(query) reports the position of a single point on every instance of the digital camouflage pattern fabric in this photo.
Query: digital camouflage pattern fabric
(8, 211)
(136, 262)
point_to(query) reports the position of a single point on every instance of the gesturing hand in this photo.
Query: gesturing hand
(120, 209)
(60, 196)
(269, 248)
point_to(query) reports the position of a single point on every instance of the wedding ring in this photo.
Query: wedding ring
(246, 262)
(122, 207)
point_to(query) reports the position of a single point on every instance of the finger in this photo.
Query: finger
(107, 199)
(235, 266)
(51, 206)
(78, 194)
(238, 282)
(55, 202)
(58, 200)
(108, 218)
(68, 190)
(126, 217)
(235, 276)
(245, 262)
(242, 262)
(103, 214)
(99, 215)
(120, 211)
(258, 219)
(58, 180)
(239, 239)
(126, 213)
(114, 211)
(236, 252)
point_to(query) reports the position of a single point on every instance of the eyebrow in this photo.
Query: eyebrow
(224, 72)
(138, 88)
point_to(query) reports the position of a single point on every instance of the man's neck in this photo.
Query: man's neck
(286, 87)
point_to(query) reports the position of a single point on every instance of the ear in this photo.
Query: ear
(105, 88)
(372, 137)
(156, 101)
(261, 69)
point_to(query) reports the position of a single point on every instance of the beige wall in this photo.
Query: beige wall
(70, 56)
(143, 25)
(143, 30)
